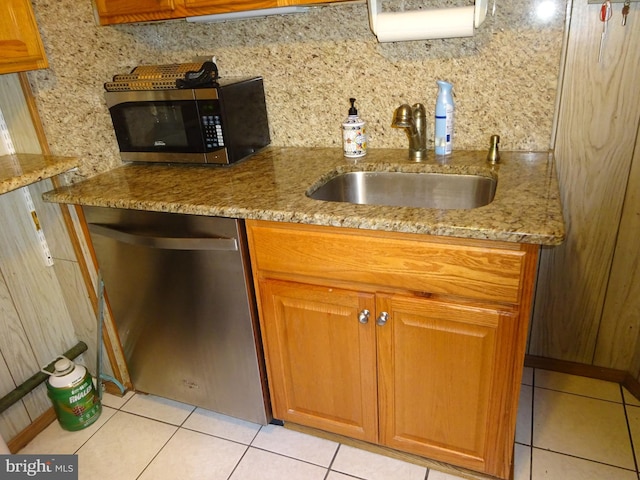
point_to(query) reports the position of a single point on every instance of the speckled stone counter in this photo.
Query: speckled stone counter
(272, 184)
(19, 170)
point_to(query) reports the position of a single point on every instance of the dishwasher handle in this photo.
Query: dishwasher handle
(167, 243)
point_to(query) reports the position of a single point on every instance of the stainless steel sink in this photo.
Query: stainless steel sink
(401, 189)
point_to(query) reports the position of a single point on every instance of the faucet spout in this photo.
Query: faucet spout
(414, 121)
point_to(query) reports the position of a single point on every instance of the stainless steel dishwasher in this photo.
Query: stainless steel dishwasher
(182, 299)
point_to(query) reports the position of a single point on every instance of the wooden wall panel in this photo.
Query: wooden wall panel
(44, 309)
(617, 345)
(73, 288)
(13, 346)
(32, 284)
(17, 116)
(597, 124)
(52, 222)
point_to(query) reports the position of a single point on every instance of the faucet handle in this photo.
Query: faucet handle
(402, 116)
(493, 156)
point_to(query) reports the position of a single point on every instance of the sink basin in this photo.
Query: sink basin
(402, 189)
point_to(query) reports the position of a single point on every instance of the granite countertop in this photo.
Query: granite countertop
(271, 185)
(20, 170)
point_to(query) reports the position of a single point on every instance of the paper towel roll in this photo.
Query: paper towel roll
(425, 24)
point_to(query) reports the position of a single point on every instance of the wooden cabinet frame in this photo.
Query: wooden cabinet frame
(448, 362)
(21, 47)
(109, 12)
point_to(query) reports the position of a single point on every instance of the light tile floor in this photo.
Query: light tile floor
(569, 428)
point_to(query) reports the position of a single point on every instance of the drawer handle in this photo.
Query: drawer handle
(382, 318)
(167, 243)
(364, 315)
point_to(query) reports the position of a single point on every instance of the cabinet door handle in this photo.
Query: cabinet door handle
(382, 318)
(166, 243)
(363, 317)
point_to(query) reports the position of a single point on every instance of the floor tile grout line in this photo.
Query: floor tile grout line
(255, 436)
(622, 402)
(344, 474)
(626, 417)
(333, 459)
(190, 429)
(75, 452)
(139, 415)
(193, 409)
(120, 409)
(355, 477)
(212, 435)
(288, 456)
(239, 461)
(579, 395)
(157, 453)
(533, 406)
(585, 459)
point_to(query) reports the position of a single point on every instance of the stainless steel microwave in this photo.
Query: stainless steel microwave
(221, 124)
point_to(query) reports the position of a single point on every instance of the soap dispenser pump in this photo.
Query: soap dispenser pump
(354, 136)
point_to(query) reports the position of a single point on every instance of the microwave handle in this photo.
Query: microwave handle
(167, 243)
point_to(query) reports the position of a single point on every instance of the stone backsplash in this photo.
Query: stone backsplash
(505, 77)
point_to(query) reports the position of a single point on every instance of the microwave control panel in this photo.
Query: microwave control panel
(212, 130)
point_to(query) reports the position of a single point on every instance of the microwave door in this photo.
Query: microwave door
(158, 130)
(168, 129)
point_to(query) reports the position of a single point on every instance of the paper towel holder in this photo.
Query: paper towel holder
(376, 15)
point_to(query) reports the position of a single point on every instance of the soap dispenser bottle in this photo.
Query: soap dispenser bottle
(354, 135)
(444, 119)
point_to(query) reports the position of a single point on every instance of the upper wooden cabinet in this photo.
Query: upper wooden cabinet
(20, 44)
(126, 7)
(124, 11)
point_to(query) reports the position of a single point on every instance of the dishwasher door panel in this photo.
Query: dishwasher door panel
(180, 294)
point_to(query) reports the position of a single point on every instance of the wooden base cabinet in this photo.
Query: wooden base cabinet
(382, 358)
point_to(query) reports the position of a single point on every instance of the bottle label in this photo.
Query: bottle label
(354, 140)
(444, 132)
(77, 405)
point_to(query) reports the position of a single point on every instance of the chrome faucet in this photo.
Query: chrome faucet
(414, 121)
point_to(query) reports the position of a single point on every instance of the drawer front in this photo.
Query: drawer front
(476, 269)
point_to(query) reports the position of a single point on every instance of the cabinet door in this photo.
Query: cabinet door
(320, 357)
(20, 44)
(121, 11)
(443, 376)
